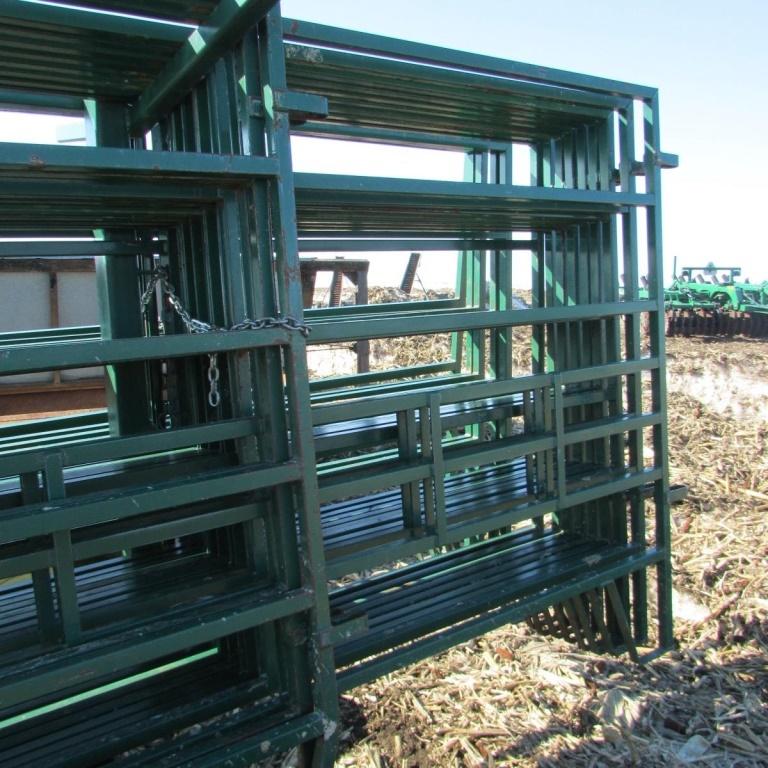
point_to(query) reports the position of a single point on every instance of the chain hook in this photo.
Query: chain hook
(193, 325)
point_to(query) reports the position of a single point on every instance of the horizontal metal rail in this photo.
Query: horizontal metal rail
(319, 34)
(464, 193)
(356, 380)
(475, 390)
(327, 245)
(356, 675)
(352, 328)
(398, 137)
(83, 354)
(80, 511)
(153, 640)
(49, 335)
(111, 449)
(151, 30)
(46, 161)
(52, 250)
(20, 560)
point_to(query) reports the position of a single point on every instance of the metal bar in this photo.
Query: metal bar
(309, 32)
(126, 447)
(338, 383)
(352, 329)
(51, 266)
(163, 531)
(45, 609)
(362, 346)
(51, 160)
(341, 566)
(357, 675)
(142, 30)
(48, 250)
(12, 100)
(281, 739)
(64, 565)
(392, 387)
(559, 417)
(428, 454)
(332, 488)
(396, 308)
(348, 267)
(407, 452)
(618, 612)
(651, 132)
(82, 354)
(523, 511)
(318, 660)
(50, 516)
(438, 467)
(634, 350)
(130, 649)
(105, 126)
(462, 191)
(299, 106)
(596, 606)
(377, 135)
(401, 244)
(474, 390)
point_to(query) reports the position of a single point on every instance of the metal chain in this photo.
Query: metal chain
(193, 325)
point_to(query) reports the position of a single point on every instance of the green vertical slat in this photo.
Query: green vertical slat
(559, 417)
(64, 564)
(120, 312)
(289, 287)
(41, 580)
(272, 542)
(427, 453)
(269, 395)
(476, 171)
(438, 464)
(407, 452)
(658, 381)
(633, 346)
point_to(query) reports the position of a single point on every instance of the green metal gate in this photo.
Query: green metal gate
(166, 596)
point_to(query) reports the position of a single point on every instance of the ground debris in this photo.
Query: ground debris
(513, 698)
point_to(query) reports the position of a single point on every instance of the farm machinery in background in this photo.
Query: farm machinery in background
(713, 301)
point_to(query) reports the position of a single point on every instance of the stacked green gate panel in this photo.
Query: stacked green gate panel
(480, 494)
(165, 597)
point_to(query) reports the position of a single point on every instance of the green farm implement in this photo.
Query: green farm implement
(712, 301)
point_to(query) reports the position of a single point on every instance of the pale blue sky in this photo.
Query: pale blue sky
(708, 59)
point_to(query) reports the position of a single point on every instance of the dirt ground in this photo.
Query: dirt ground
(512, 698)
(15, 407)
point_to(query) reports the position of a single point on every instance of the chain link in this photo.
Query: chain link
(214, 396)
(193, 325)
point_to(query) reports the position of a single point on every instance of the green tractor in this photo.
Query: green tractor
(713, 301)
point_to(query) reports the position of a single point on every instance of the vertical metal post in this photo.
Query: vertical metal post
(120, 312)
(289, 291)
(651, 133)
